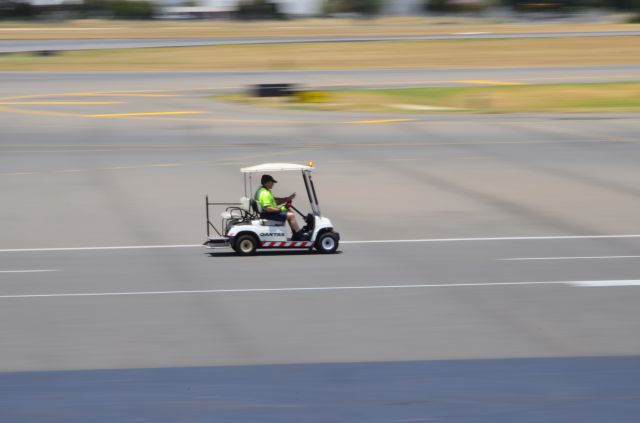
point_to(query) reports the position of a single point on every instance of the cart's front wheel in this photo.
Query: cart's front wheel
(246, 245)
(327, 243)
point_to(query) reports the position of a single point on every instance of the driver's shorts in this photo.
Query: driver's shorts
(278, 216)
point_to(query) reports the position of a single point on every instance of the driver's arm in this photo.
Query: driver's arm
(272, 209)
(285, 200)
(282, 200)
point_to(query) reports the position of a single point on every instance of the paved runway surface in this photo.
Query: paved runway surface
(541, 323)
(48, 83)
(373, 302)
(15, 46)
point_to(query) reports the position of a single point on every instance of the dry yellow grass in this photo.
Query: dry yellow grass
(409, 54)
(304, 27)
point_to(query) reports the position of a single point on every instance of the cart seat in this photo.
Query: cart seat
(255, 208)
(267, 222)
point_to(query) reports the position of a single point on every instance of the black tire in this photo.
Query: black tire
(327, 243)
(246, 245)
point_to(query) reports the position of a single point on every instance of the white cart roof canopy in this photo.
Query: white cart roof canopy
(274, 167)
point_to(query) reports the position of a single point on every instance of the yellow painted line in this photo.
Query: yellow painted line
(488, 82)
(409, 159)
(116, 94)
(118, 168)
(441, 144)
(221, 162)
(564, 131)
(605, 79)
(70, 171)
(19, 173)
(380, 121)
(28, 103)
(121, 92)
(96, 94)
(231, 161)
(53, 28)
(233, 121)
(158, 116)
(135, 95)
(35, 112)
(164, 165)
(117, 115)
(106, 148)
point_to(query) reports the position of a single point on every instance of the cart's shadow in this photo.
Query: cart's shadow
(221, 254)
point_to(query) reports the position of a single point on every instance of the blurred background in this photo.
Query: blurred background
(287, 9)
(478, 158)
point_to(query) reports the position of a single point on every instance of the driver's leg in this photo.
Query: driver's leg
(291, 218)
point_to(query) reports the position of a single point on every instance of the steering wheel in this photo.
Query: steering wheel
(289, 206)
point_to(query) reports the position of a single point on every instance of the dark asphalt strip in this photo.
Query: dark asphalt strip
(572, 389)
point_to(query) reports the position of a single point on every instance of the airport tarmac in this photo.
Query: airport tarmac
(17, 46)
(373, 302)
(36, 84)
(510, 263)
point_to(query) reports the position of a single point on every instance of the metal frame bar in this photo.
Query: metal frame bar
(206, 206)
(311, 192)
(306, 185)
(315, 196)
(209, 223)
(244, 176)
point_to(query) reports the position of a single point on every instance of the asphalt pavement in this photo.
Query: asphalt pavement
(528, 390)
(489, 270)
(49, 83)
(16, 46)
(456, 330)
(178, 307)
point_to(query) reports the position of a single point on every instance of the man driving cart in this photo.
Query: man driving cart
(258, 222)
(277, 208)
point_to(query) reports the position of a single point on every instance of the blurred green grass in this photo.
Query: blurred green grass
(592, 97)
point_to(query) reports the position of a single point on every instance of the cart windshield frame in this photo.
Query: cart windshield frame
(284, 167)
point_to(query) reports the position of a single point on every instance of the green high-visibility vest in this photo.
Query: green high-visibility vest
(265, 198)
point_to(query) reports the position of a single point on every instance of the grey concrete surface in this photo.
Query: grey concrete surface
(166, 325)
(35, 83)
(74, 181)
(16, 46)
(71, 180)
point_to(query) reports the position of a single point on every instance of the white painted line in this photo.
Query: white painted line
(291, 289)
(124, 247)
(373, 241)
(605, 283)
(566, 258)
(511, 238)
(29, 271)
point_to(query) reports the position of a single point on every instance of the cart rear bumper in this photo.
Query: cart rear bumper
(217, 242)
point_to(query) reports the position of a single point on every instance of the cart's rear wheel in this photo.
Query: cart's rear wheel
(327, 243)
(246, 245)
